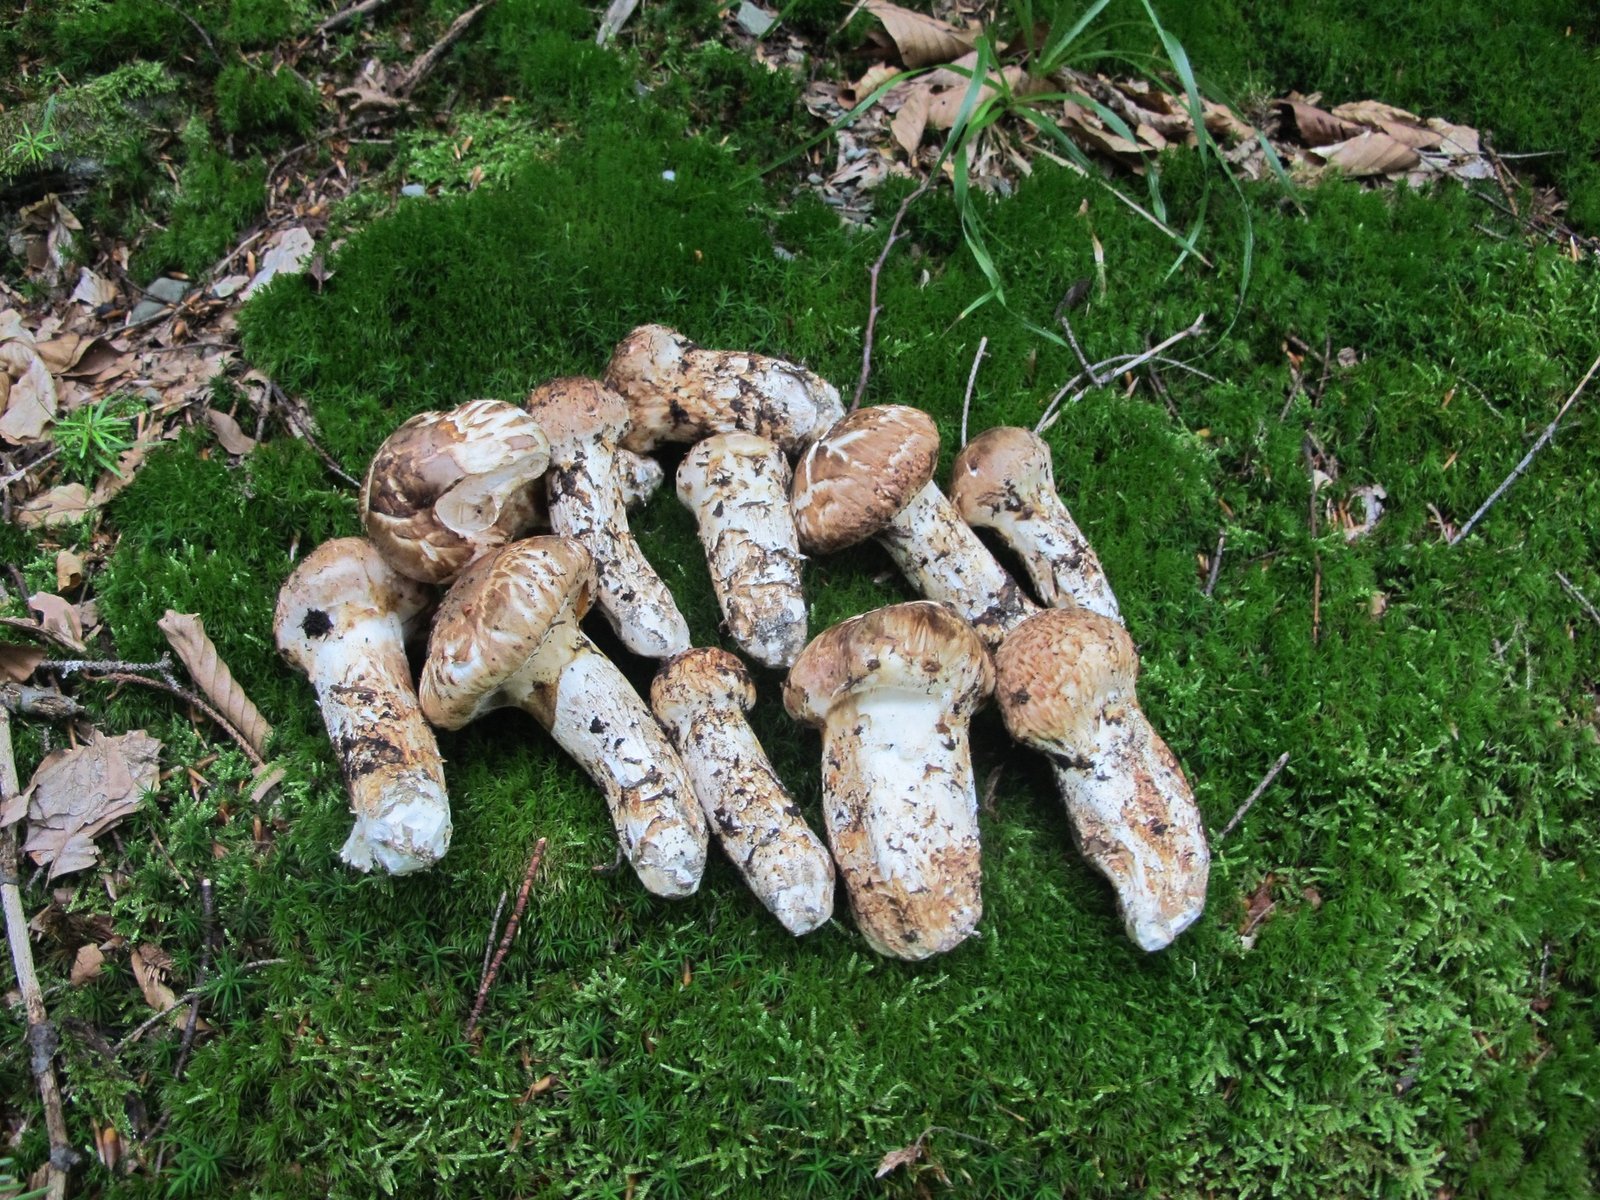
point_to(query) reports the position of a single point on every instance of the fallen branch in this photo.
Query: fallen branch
(1109, 369)
(345, 15)
(428, 59)
(47, 703)
(1216, 564)
(1516, 472)
(505, 941)
(872, 294)
(972, 379)
(167, 685)
(1265, 783)
(146, 1026)
(186, 634)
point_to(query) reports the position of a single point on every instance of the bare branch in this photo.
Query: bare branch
(872, 294)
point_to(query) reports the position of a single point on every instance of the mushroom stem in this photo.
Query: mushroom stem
(737, 485)
(639, 476)
(945, 561)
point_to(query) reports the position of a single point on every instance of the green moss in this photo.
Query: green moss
(96, 35)
(105, 119)
(252, 103)
(215, 197)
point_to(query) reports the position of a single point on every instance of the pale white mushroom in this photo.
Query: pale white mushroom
(342, 618)
(737, 486)
(872, 474)
(448, 487)
(507, 636)
(639, 476)
(701, 697)
(582, 418)
(678, 392)
(893, 691)
(1065, 684)
(1003, 480)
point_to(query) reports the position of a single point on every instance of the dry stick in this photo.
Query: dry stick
(1216, 564)
(1121, 363)
(1316, 553)
(186, 634)
(207, 916)
(505, 941)
(1265, 783)
(8, 480)
(428, 59)
(188, 697)
(1516, 472)
(345, 15)
(872, 294)
(494, 928)
(292, 419)
(146, 1026)
(972, 378)
(1573, 591)
(42, 1039)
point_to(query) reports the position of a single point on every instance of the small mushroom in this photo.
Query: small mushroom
(342, 619)
(701, 697)
(680, 393)
(737, 485)
(872, 474)
(1002, 480)
(892, 691)
(583, 420)
(447, 487)
(507, 636)
(1066, 688)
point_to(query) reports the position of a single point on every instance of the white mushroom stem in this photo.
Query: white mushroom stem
(701, 697)
(944, 560)
(639, 476)
(737, 485)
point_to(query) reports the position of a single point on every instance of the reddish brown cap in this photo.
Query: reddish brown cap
(855, 479)
(998, 470)
(704, 677)
(1057, 671)
(575, 409)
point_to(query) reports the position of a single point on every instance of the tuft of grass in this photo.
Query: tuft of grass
(91, 438)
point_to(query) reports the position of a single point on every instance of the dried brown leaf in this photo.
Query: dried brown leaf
(93, 290)
(909, 124)
(62, 353)
(1371, 153)
(1415, 136)
(32, 402)
(288, 255)
(150, 964)
(922, 40)
(59, 616)
(17, 663)
(877, 75)
(902, 1157)
(61, 505)
(77, 794)
(86, 964)
(1259, 907)
(69, 571)
(1375, 112)
(1460, 141)
(1318, 128)
(233, 439)
(186, 633)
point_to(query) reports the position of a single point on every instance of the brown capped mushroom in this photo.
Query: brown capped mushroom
(447, 487)
(1066, 688)
(871, 474)
(737, 486)
(1003, 480)
(701, 697)
(892, 691)
(583, 420)
(341, 619)
(507, 636)
(678, 392)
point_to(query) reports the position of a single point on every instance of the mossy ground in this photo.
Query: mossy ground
(1417, 1012)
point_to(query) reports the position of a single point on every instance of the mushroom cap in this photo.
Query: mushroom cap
(447, 487)
(706, 677)
(494, 619)
(921, 647)
(336, 585)
(857, 477)
(575, 409)
(1057, 670)
(998, 469)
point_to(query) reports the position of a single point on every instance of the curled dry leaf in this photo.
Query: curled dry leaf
(290, 252)
(1370, 153)
(150, 965)
(17, 663)
(61, 505)
(69, 571)
(1316, 127)
(903, 1157)
(232, 439)
(922, 40)
(31, 402)
(93, 290)
(86, 964)
(1375, 112)
(59, 616)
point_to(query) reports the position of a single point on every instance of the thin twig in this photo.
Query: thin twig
(302, 430)
(72, 666)
(146, 1026)
(345, 15)
(972, 378)
(1572, 590)
(494, 928)
(1516, 472)
(1266, 782)
(188, 697)
(1121, 363)
(198, 28)
(8, 480)
(207, 918)
(1072, 340)
(42, 1037)
(872, 293)
(512, 923)
(425, 62)
(1216, 564)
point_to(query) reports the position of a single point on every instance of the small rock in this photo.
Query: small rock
(413, 189)
(782, 254)
(224, 288)
(168, 291)
(754, 20)
(669, 175)
(813, 179)
(146, 309)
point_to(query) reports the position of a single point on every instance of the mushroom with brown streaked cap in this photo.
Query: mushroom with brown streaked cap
(1003, 480)
(678, 392)
(872, 474)
(448, 487)
(893, 691)
(701, 697)
(342, 618)
(737, 486)
(507, 636)
(1065, 684)
(582, 418)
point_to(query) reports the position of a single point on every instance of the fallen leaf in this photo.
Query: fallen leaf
(902, 1157)
(877, 75)
(911, 121)
(86, 964)
(61, 505)
(31, 403)
(1318, 128)
(1458, 140)
(93, 290)
(922, 40)
(233, 439)
(1258, 909)
(150, 964)
(76, 794)
(47, 227)
(17, 663)
(1414, 136)
(62, 353)
(1372, 497)
(1371, 153)
(59, 616)
(1375, 112)
(224, 288)
(69, 571)
(288, 256)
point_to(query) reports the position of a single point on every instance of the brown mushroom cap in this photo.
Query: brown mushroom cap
(493, 620)
(998, 469)
(574, 409)
(856, 478)
(707, 676)
(919, 647)
(336, 585)
(1057, 671)
(447, 487)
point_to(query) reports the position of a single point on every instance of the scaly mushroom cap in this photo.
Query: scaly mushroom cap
(857, 477)
(1059, 671)
(448, 487)
(705, 677)
(493, 620)
(996, 469)
(334, 586)
(576, 409)
(916, 647)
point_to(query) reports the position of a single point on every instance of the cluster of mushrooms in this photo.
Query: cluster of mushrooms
(456, 499)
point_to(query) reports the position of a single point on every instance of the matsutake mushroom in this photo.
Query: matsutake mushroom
(893, 691)
(507, 636)
(582, 418)
(448, 487)
(1002, 480)
(872, 474)
(1066, 688)
(737, 486)
(701, 697)
(678, 392)
(342, 619)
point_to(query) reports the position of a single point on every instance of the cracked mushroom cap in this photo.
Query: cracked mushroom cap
(997, 469)
(857, 477)
(335, 586)
(1059, 670)
(574, 409)
(494, 619)
(705, 677)
(920, 647)
(448, 487)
